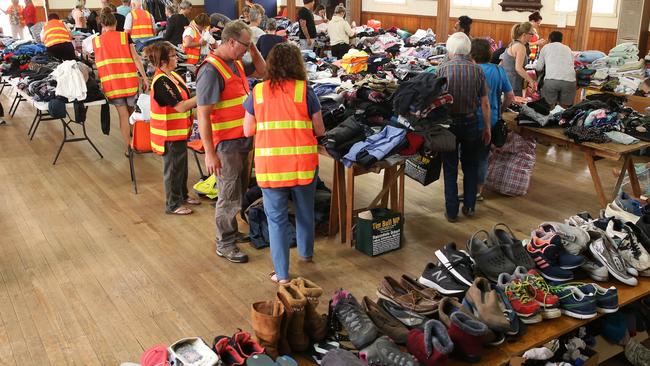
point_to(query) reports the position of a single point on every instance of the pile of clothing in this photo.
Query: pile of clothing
(621, 71)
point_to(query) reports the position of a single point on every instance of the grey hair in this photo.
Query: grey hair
(185, 4)
(340, 9)
(254, 15)
(234, 30)
(271, 24)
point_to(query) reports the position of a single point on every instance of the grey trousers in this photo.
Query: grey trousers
(175, 174)
(232, 185)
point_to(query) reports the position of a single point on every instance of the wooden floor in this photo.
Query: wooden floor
(91, 274)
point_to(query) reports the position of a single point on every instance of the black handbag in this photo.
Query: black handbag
(499, 133)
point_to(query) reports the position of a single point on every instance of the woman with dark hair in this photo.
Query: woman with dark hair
(464, 24)
(284, 115)
(535, 41)
(171, 121)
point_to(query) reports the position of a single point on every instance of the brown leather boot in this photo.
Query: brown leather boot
(266, 317)
(294, 306)
(315, 323)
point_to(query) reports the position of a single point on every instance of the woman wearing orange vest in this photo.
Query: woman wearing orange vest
(139, 23)
(171, 121)
(193, 38)
(57, 39)
(118, 65)
(284, 115)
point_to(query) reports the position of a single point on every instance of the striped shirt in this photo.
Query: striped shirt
(465, 82)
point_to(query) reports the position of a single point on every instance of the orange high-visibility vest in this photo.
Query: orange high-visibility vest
(227, 116)
(166, 123)
(193, 53)
(141, 26)
(55, 32)
(286, 151)
(115, 66)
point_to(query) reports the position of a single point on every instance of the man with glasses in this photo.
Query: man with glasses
(222, 88)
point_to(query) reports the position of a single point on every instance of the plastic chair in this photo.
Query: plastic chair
(140, 144)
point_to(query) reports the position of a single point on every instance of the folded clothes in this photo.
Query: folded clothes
(621, 138)
(589, 56)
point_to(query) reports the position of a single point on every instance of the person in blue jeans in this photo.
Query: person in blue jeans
(284, 115)
(499, 85)
(466, 84)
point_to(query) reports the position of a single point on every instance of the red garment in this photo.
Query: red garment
(29, 14)
(415, 143)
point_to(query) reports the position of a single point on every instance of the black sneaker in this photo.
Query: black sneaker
(233, 254)
(458, 263)
(438, 277)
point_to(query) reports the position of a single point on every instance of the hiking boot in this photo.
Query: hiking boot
(226, 352)
(575, 303)
(389, 289)
(485, 304)
(458, 263)
(488, 256)
(467, 334)
(628, 245)
(245, 345)
(266, 318)
(412, 284)
(548, 302)
(637, 354)
(409, 318)
(315, 323)
(294, 306)
(384, 352)
(449, 306)
(521, 297)
(574, 239)
(511, 246)
(232, 254)
(361, 330)
(386, 324)
(432, 345)
(606, 298)
(545, 251)
(438, 277)
(604, 251)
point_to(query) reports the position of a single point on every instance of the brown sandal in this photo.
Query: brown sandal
(181, 210)
(274, 277)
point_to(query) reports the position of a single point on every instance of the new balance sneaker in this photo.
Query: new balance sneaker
(548, 302)
(606, 298)
(576, 303)
(458, 263)
(628, 245)
(545, 253)
(521, 297)
(438, 277)
(574, 239)
(604, 251)
(488, 256)
(512, 247)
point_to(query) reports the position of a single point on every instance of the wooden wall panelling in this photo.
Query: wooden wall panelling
(64, 13)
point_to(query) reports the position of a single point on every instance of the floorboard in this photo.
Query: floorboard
(92, 274)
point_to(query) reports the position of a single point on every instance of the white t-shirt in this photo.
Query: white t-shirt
(205, 35)
(558, 60)
(257, 33)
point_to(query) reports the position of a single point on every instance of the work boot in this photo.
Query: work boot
(267, 317)
(315, 323)
(294, 306)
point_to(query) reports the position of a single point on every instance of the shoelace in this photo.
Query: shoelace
(519, 290)
(538, 283)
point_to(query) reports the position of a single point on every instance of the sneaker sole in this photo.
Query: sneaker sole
(599, 278)
(444, 291)
(578, 315)
(499, 340)
(233, 260)
(607, 310)
(382, 296)
(530, 319)
(557, 279)
(630, 281)
(571, 267)
(444, 261)
(551, 313)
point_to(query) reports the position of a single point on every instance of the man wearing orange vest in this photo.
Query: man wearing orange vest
(193, 38)
(139, 23)
(222, 88)
(57, 39)
(118, 65)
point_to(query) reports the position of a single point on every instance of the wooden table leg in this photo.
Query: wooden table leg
(621, 176)
(387, 178)
(393, 189)
(596, 179)
(334, 203)
(346, 236)
(340, 174)
(400, 206)
(634, 180)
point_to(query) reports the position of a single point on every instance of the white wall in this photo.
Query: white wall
(429, 7)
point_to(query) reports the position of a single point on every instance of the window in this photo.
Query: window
(391, 1)
(599, 7)
(472, 3)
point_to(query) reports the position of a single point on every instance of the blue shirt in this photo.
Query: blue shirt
(498, 83)
(313, 105)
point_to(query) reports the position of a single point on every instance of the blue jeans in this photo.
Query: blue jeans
(276, 208)
(469, 143)
(484, 155)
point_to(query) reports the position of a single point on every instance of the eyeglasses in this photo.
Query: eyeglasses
(247, 45)
(531, 34)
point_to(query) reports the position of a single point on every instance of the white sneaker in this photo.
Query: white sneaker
(604, 251)
(628, 246)
(613, 210)
(596, 270)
